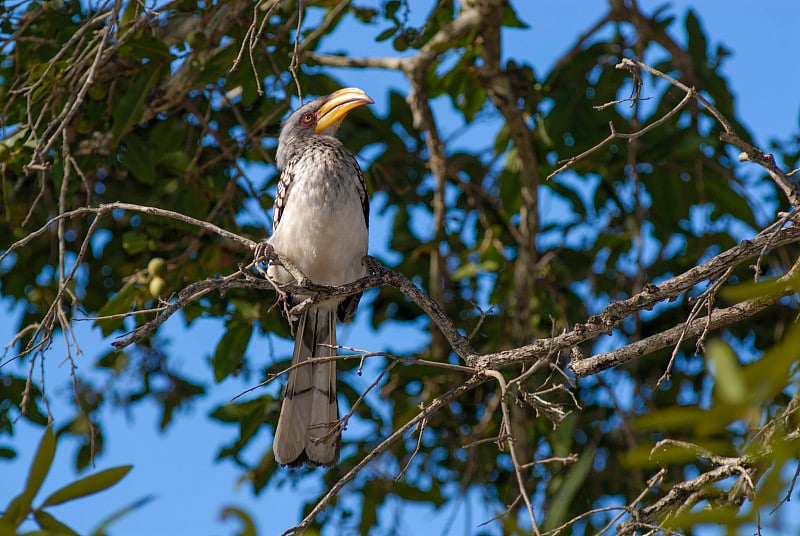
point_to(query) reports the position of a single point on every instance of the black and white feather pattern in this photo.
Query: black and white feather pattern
(320, 223)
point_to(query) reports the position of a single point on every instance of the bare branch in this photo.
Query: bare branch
(499, 87)
(749, 152)
(623, 136)
(505, 431)
(391, 64)
(433, 407)
(644, 300)
(107, 208)
(690, 329)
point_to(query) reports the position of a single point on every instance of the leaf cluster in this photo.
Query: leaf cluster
(21, 507)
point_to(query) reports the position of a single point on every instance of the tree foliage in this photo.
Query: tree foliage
(133, 134)
(21, 506)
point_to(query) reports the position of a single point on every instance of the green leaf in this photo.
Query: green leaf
(400, 43)
(510, 184)
(120, 303)
(696, 45)
(114, 361)
(763, 289)
(643, 456)
(386, 34)
(374, 494)
(571, 485)
(130, 13)
(469, 269)
(128, 110)
(41, 463)
(88, 486)
(409, 492)
(15, 512)
(474, 99)
(248, 527)
(177, 161)
(145, 45)
(503, 138)
(247, 309)
(727, 200)
(721, 516)
(673, 418)
(771, 374)
(511, 20)
(20, 505)
(52, 525)
(134, 242)
(230, 349)
(363, 14)
(8, 453)
(137, 160)
(728, 379)
(101, 528)
(391, 7)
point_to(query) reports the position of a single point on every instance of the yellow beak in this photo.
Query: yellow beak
(337, 106)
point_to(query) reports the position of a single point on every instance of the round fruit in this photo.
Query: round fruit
(157, 286)
(156, 266)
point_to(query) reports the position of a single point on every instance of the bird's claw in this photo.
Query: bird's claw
(263, 252)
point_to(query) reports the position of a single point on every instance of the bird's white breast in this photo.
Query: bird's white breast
(322, 229)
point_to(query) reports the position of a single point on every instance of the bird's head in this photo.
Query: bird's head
(322, 116)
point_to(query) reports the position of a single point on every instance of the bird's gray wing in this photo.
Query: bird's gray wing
(282, 195)
(361, 185)
(347, 307)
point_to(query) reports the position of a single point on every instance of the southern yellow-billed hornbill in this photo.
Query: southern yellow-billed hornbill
(320, 224)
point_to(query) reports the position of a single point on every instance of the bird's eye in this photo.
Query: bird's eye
(307, 119)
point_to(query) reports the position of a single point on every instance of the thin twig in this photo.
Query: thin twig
(420, 429)
(614, 135)
(510, 440)
(433, 407)
(749, 152)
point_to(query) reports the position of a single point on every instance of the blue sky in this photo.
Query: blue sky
(177, 467)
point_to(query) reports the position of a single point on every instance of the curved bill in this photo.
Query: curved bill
(337, 106)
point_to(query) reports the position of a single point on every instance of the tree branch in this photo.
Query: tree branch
(687, 330)
(750, 152)
(644, 300)
(398, 434)
(718, 318)
(498, 86)
(316, 294)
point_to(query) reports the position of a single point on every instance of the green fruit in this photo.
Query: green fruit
(82, 125)
(156, 266)
(52, 6)
(97, 92)
(157, 286)
(197, 40)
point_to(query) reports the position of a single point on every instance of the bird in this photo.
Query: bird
(321, 225)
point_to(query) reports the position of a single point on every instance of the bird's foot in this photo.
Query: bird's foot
(263, 252)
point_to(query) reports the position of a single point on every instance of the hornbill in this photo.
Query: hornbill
(320, 225)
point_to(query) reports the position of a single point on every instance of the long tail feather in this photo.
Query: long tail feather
(307, 430)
